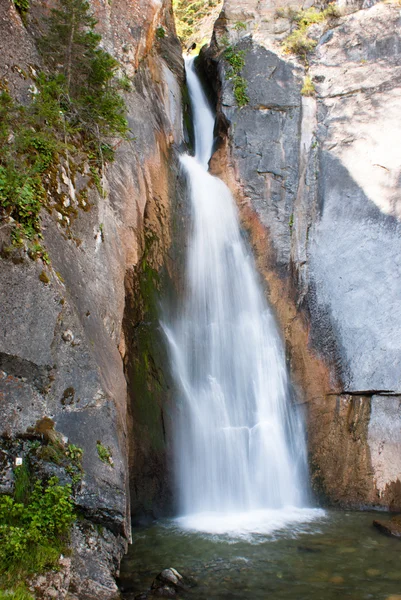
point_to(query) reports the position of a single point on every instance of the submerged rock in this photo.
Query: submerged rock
(391, 527)
(167, 584)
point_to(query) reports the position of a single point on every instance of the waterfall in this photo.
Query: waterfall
(238, 440)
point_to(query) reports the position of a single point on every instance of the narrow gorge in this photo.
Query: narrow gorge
(222, 402)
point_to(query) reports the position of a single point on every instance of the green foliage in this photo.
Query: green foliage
(298, 42)
(19, 593)
(239, 25)
(236, 61)
(22, 6)
(104, 453)
(34, 532)
(86, 73)
(308, 88)
(76, 107)
(160, 33)
(74, 453)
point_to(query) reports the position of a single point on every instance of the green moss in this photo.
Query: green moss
(44, 277)
(160, 33)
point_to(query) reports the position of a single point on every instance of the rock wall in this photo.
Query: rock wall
(317, 183)
(66, 340)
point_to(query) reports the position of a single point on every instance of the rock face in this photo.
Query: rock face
(317, 183)
(66, 328)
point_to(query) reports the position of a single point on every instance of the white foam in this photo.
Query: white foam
(244, 524)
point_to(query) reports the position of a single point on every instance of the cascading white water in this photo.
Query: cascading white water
(239, 443)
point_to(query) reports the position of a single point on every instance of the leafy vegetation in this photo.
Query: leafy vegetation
(236, 61)
(35, 520)
(19, 593)
(299, 42)
(22, 6)
(188, 14)
(34, 530)
(75, 112)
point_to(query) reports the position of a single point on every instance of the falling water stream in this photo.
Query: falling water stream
(239, 443)
(246, 530)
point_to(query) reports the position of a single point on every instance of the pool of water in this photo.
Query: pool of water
(338, 555)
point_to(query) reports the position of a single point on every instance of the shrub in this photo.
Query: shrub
(34, 532)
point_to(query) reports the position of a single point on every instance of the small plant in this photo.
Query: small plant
(22, 6)
(104, 453)
(160, 33)
(74, 453)
(239, 25)
(308, 88)
(236, 61)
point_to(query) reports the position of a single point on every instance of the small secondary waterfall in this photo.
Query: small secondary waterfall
(239, 443)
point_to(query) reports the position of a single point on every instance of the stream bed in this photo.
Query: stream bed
(338, 555)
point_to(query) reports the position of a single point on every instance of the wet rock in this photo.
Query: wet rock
(167, 585)
(391, 527)
(170, 576)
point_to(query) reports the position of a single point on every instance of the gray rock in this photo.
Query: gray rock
(322, 175)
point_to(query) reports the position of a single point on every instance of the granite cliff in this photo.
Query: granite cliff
(316, 176)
